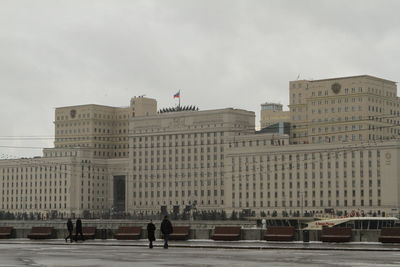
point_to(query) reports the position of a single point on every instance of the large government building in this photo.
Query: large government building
(342, 155)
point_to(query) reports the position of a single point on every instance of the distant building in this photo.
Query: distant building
(278, 128)
(272, 113)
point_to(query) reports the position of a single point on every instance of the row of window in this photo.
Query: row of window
(306, 156)
(26, 207)
(300, 194)
(33, 169)
(173, 137)
(338, 109)
(306, 204)
(145, 204)
(100, 123)
(31, 184)
(177, 193)
(94, 115)
(305, 185)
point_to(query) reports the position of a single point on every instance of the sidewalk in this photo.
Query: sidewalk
(352, 246)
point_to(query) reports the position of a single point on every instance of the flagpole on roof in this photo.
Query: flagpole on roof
(179, 98)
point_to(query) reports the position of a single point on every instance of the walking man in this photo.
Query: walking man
(78, 229)
(166, 230)
(151, 228)
(70, 228)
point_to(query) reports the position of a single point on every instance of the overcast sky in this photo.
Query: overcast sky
(218, 53)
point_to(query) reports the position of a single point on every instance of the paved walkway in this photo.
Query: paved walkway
(124, 254)
(244, 244)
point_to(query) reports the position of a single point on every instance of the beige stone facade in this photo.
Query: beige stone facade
(135, 160)
(177, 158)
(49, 184)
(347, 109)
(311, 178)
(103, 129)
(66, 181)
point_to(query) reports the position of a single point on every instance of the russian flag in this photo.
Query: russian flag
(177, 95)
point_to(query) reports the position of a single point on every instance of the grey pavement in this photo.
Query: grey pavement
(22, 252)
(85, 254)
(243, 244)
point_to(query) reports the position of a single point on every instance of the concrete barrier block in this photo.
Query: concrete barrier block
(366, 235)
(251, 234)
(201, 233)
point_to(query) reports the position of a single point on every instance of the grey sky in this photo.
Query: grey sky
(218, 53)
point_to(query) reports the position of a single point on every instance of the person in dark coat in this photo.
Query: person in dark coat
(78, 229)
(151, 228)
(166, 230)
(70, 228)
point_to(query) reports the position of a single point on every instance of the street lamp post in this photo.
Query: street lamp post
(301, 215)
(111, 212)
(302, 204)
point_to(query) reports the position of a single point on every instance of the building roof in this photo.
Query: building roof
(89, 105)
(348, 77)
(271, 103)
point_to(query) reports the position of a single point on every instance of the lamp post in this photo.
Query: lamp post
(111, 212)
(301, 215)
(102, 207)
(23, 207)
(302, 203)
(194, 202)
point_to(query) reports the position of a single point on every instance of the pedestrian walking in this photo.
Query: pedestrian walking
(78, 230)
(70, 228)
(151, 228)
(166, 230)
